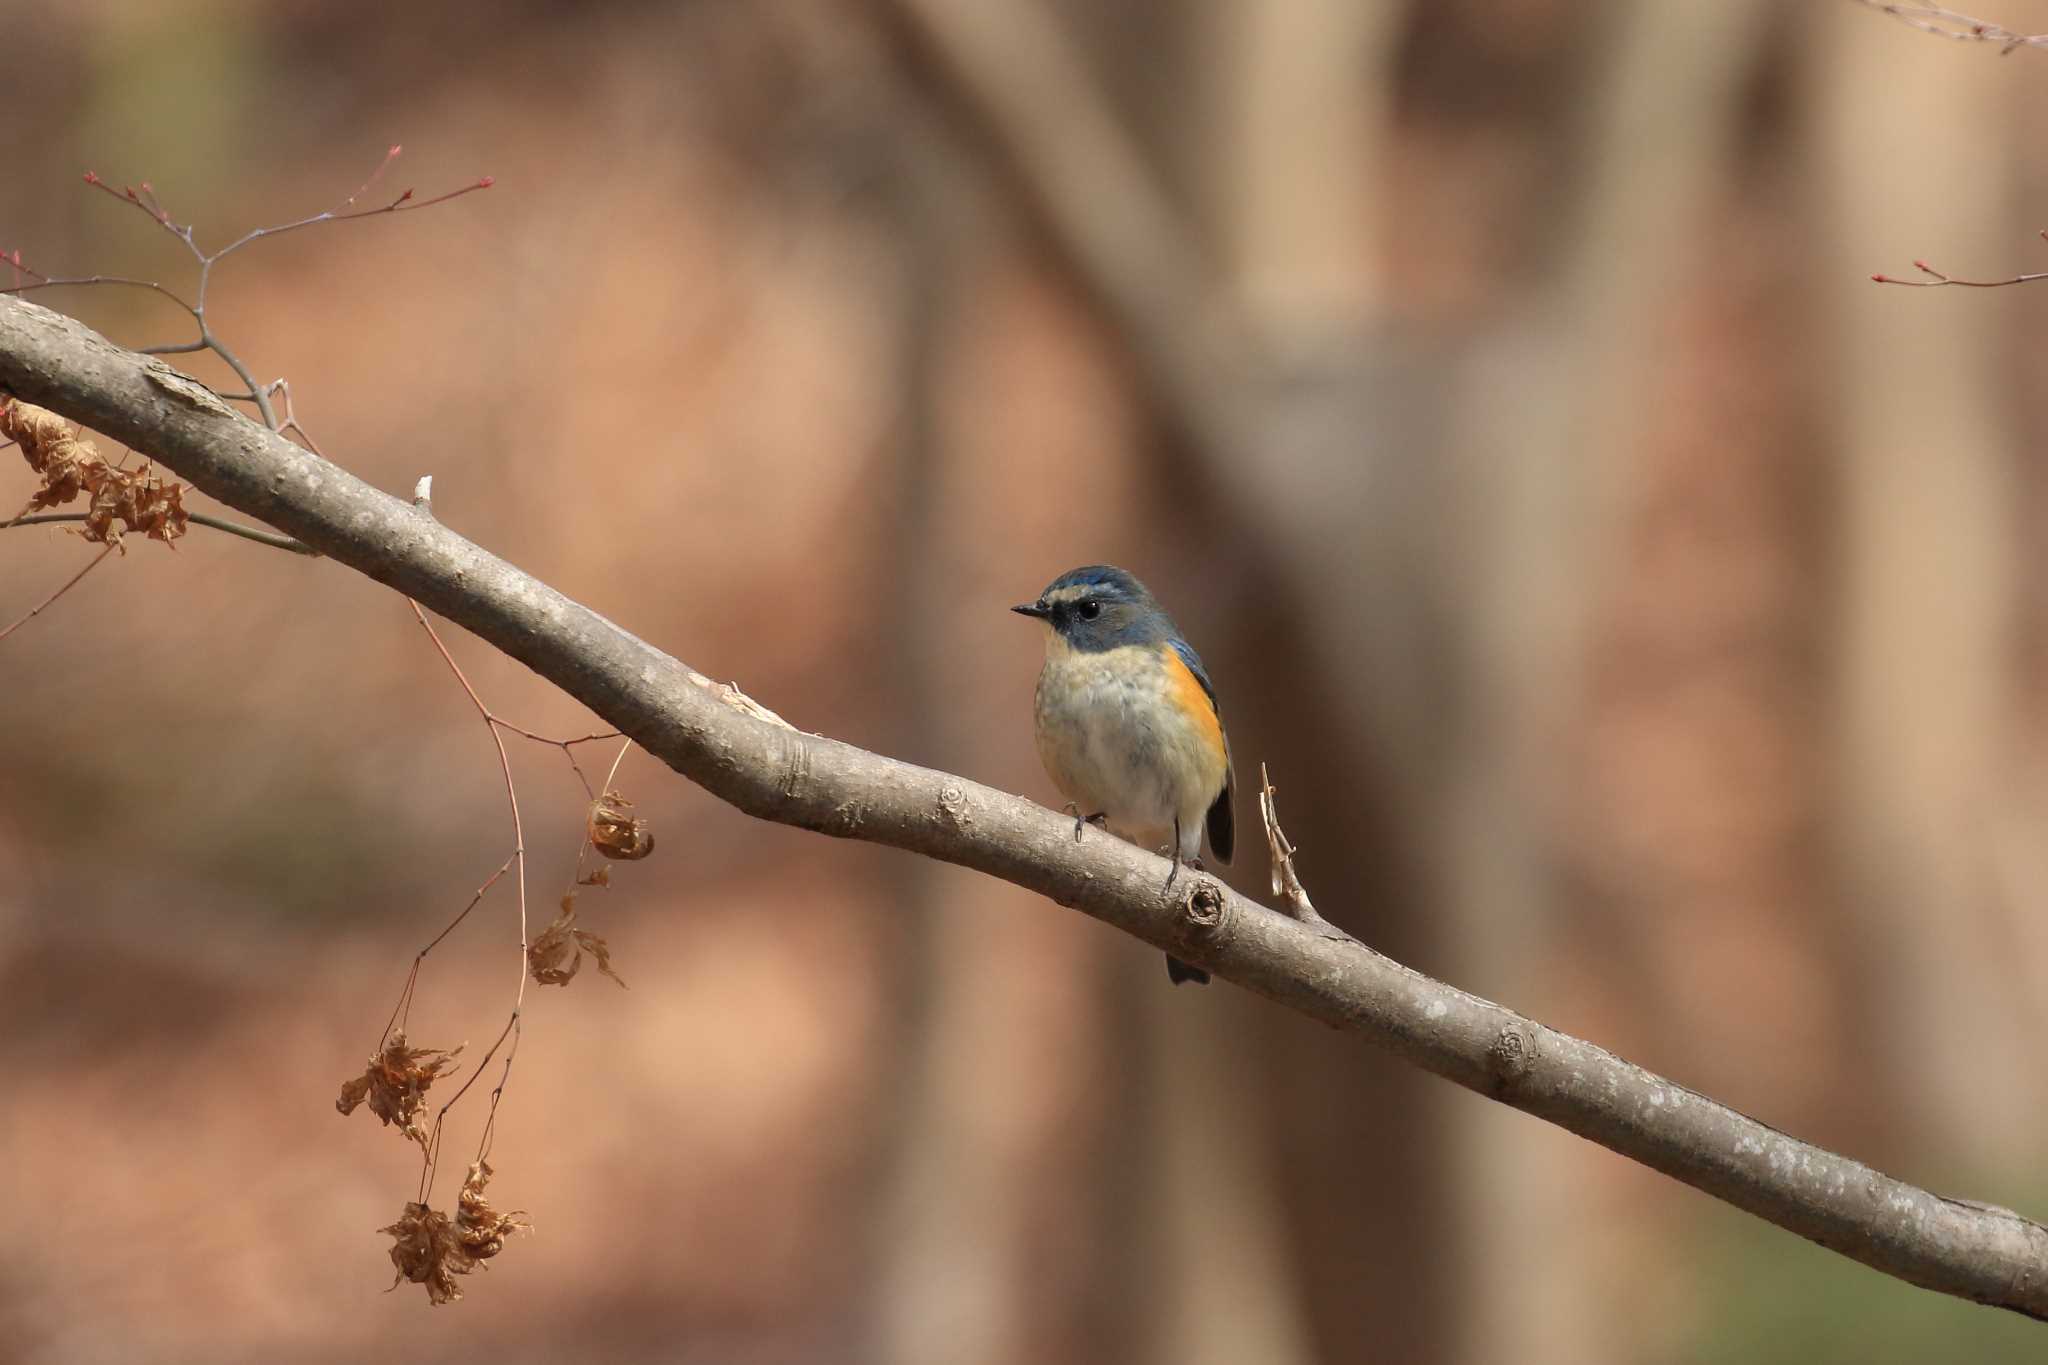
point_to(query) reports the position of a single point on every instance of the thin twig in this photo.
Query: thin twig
(511, 791)
(431, 1159)
(1947, 23)
(519, 863)
(1280, 857)
(144, 200)
(550, 739)
(490, 1130)
(1940, 278)
(65, 281)
(621, 758)
(401, 1013)
(69, 583)
(403, 204)
(233, 528)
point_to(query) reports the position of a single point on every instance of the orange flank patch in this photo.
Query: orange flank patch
(1186, 691)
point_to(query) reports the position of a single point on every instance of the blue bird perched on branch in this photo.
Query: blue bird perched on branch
(1127, 722)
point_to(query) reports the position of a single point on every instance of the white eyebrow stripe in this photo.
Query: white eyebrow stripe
(1073, 592)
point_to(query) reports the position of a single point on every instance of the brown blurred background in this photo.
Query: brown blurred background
(1635, 605)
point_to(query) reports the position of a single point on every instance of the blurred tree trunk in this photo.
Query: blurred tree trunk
(1925, 644)
(948, 1280)
(1281, 131)
(1299, 101)
(1225, 1286)
(1551, 467)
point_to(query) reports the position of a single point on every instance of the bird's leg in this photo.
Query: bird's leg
(1100, 819)
(1176, 970)
(1193, 864)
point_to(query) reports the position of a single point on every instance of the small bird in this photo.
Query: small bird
(1127, 722)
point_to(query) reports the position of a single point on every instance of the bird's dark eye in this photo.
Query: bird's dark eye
(1089, 610)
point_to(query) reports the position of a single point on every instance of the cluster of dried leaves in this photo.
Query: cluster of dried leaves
(563, 943)
(556, 953)
(430, 1248)
(395, 1084)
(69, 466)
(615, 832)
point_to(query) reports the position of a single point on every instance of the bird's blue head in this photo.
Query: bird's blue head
(1100, 607)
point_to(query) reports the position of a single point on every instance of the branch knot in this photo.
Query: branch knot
(1512, 1053)
(1202, 908)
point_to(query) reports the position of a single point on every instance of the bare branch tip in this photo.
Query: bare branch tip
(1280, 853)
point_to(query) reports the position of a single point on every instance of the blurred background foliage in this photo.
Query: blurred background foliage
(1634, 604)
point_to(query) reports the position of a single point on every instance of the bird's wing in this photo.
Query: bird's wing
(1194, 663)
(1222, 821)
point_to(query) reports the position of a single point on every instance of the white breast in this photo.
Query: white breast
(1111, 742)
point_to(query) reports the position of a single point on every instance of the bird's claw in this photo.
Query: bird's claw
(1100, 819)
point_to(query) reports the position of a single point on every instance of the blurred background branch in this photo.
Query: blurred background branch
(1947, 23)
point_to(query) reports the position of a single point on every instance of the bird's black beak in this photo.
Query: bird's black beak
(1037, 609)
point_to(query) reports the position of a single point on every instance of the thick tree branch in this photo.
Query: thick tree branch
(778, 773)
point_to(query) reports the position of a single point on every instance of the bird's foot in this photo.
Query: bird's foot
(1100, 819)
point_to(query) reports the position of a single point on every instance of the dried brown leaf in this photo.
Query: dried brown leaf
(395, 1084)
(483, 1229)
(430, 1248)
(600, 950)
(556, 953)
(70, 465)
(424, 1246)
(551, 947)
(615, 831)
